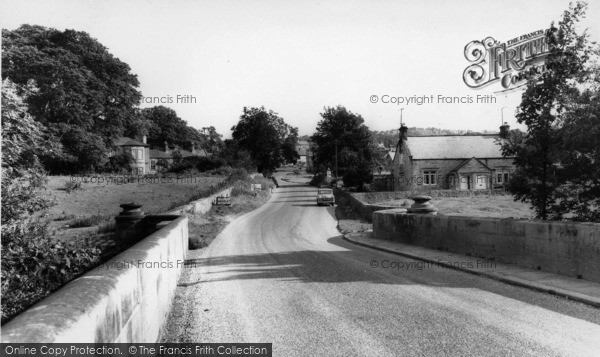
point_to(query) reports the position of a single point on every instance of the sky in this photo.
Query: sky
(297, 57)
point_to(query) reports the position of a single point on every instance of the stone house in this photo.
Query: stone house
(140, 151)
(459, 162)
(147, 161)
(306, 156)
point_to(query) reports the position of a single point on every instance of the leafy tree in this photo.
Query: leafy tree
(22, 174)
(32, 264)
(235, 156)
(213, 141)
(553, 107)
(288, 147)
(83, 91)
(269, 140)
(166, 126)
(579, 156)
(356, 158)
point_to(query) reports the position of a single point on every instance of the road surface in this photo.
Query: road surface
(283, 274)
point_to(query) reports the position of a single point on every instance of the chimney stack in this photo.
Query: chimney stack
(504, 130)
(166, 147)
(144, 138)
(193, 147)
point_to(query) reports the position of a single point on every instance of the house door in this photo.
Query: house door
(464, 182)
(480, 182)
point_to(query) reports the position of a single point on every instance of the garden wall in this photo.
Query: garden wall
(126, 299)
(567, 248)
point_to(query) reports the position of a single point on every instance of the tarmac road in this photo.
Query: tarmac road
(283, 274)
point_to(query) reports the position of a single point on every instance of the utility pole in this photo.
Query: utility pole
(336, 142)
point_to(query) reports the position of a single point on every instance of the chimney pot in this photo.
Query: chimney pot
(144, 138)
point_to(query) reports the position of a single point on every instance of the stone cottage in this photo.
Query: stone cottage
(147, 161)
(460, 162)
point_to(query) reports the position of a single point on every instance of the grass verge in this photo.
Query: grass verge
(203, 229)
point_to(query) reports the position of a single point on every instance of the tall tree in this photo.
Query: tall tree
(22, 174)
(266, 137)
(166, 126)
(86, 97)
(542, 156)
(579, 156)
(214, 141)
(355, 154)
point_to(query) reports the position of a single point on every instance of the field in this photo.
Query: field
(493, 206)
(79, 212)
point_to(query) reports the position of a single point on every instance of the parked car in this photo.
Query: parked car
(325, 197)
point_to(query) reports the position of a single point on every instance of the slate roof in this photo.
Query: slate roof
(158, 154)
(454, 147)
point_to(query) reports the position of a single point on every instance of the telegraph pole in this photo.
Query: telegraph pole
(336, 142)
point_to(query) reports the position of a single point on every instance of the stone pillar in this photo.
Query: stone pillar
(127, 221)
(422, 205)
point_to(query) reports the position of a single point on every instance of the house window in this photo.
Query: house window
(502, 178)
(429, 177)
(138, 154)
(153, 164)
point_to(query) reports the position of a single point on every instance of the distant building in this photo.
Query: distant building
(149, 161)
(304, 150)
(460, 162)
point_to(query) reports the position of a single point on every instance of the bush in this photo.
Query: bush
(33, 266)
(202, 164)
(120, 162)
(320, 179)
(71, 186)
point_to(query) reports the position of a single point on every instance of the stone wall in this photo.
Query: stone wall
(567, 248)
(126, 299)
(202, 205)
(348, 201)
(373, 197)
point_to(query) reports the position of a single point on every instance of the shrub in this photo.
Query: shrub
(33, 267)
(120, 162)
(199, 163)
(71, 186)
(320, 179)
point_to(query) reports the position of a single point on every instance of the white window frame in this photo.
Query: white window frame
(138, 154)
(430, 177)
